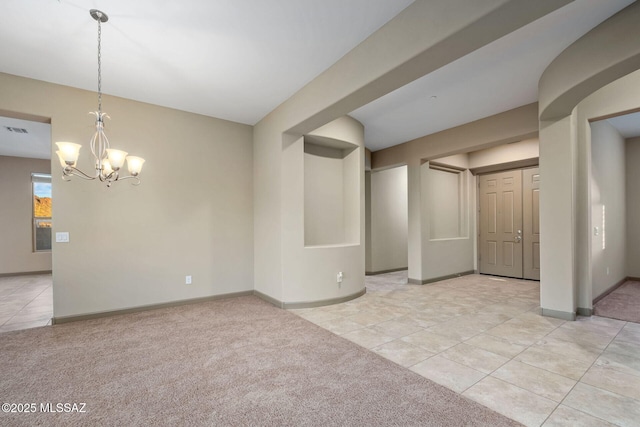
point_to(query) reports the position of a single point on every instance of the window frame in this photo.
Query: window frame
(37, 177)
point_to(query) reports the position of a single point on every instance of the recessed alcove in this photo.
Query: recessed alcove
(331, 192)
(448, 210)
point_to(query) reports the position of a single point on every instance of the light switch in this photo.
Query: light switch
(62, 237)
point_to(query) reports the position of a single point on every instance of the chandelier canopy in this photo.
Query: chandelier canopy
(108, 161)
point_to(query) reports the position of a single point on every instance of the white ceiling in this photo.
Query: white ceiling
(628, 125)
(35, 143)
(238, 60)
(232, 59)
(496, 78)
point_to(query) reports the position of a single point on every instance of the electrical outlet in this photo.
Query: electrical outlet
(62, 237)
(187, 280)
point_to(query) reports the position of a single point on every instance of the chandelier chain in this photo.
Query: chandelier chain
(99, 67)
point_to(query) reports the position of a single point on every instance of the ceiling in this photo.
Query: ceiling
(495, 78)
(628, 125)
(238, 60)
(235, 60)
(23, 138)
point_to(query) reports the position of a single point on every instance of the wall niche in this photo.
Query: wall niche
(331, 192)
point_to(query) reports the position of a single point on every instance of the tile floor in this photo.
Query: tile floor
(483, 337)
(25, 302)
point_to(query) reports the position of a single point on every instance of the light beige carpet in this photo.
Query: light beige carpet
(621, 304)
(236, 362)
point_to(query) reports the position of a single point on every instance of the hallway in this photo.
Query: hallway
(25, 302)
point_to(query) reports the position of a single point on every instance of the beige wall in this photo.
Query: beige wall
(619, 96)
(309, 272)
(511, 126)
(576, 73)
(16, 213)
(389, 220)
(633, 206)
(608, 207)
(132, 246)
(460, 161)
(445, 256)
(557, 217)
(506, 154)
(323, 200)
(147, 240)
(416, 42)
(367, 222)
(483, 142)
(447, 191)
(577, 87)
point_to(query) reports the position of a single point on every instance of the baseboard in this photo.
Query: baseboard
(438, 279)
(25, 273)
(564, 315)
(269, 299)
(611, 289)
(393, 270)
(74, 318)
(581, 311)
(309, 304)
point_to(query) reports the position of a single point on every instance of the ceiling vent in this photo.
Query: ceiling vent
(15, 130)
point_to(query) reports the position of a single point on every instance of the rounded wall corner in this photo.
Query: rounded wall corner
(577, 73)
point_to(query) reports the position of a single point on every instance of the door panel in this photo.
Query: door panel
(531, 223)
(492, 255)
(501, 224)
(492, 206)
(507, 211)
(508, 254)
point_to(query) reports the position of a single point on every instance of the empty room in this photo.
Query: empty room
(304, 212)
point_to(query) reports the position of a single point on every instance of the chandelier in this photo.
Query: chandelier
(108, 161)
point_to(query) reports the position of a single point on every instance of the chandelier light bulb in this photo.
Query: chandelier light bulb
(106, 167)
(68, 152)
(134, 164)
(62, 161)
(116, 158)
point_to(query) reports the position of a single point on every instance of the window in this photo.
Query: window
(41, 189)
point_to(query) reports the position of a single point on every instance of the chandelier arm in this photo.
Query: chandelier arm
(70, 170)
(136, 182)
(113, 176)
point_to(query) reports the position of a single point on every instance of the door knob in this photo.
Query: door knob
(518, 238)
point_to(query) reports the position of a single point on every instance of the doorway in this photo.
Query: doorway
(26, 298)
(509, 228)
(387, 220)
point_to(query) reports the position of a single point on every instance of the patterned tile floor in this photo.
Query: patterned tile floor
(25, 302)
(483, 337)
